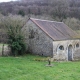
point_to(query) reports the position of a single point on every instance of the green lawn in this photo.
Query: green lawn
(26, 68)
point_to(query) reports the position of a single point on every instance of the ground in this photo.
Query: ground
(30, 67)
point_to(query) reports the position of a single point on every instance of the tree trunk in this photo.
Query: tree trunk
(3, 49)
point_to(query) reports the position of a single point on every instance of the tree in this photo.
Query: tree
(15, 36)
(21, 12)
(61, 9)
(73, 23)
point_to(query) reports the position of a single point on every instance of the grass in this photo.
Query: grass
(26, 68)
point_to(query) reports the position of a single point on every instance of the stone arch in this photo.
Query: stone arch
(70, 52)
(60, 47)
(77, 45)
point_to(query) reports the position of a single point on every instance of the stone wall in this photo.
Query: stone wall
(63, 54)
(41, 44)
(38, 42)
(6, 50)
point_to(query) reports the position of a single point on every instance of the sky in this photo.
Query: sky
(6, 0)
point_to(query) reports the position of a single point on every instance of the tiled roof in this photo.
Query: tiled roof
(55, 30)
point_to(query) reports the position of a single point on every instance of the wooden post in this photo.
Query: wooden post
(49, 62)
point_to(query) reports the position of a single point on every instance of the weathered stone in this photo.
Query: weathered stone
(63, 54)
(6, 50)
(41, 44)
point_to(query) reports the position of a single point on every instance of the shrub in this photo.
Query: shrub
(15, 35)
(21, 12)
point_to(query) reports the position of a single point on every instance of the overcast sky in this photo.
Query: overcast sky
(6, 0)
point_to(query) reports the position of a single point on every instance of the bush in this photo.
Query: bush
(21, 12)
(15, 35)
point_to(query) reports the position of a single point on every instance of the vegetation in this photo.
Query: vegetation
(21, 12)
(14, 15)
(72, 23)
(25, 68)
(15, 35)
(56, 8)
(67, 11)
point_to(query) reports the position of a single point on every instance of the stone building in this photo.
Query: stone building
(53, 39)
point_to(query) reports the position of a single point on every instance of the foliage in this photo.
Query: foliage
(55, 8)
(61, 10)
(21, 12)
(25, 68)
(73, 23)
(15, 36)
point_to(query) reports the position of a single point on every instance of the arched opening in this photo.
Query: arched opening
(61, 47)
(77, 45)
(70, 52)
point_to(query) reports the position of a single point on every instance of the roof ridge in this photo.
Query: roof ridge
(45, 20)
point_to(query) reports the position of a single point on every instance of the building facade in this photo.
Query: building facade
(52, 39)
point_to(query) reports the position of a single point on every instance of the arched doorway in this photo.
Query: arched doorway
(70, 53)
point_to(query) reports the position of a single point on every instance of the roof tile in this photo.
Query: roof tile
(55, 30)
